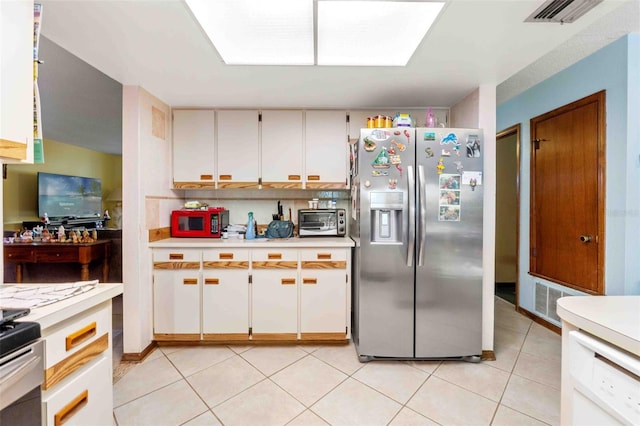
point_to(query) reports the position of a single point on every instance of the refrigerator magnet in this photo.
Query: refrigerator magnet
(377, 173)
(440, 165)
(401, 146)
(459, 166)
(369, 144)
(382, 160)
(395, 159)
(429, 152)
(473, 146)
(449, 214)
(451, 138)
(393, 183)
(429, 136)
(449, 181)
(445, 153)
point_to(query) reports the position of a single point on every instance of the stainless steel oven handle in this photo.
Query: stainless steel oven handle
(19, 373)
(411, 233)
(422, 196)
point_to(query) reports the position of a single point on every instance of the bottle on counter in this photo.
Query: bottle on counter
(250, 234)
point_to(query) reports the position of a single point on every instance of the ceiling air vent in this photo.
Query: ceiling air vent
(562, 11)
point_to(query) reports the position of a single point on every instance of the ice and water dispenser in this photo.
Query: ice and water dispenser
(386, 217)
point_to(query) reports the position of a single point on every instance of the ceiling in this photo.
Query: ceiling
(158, 45)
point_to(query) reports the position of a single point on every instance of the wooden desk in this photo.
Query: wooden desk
(82, 253)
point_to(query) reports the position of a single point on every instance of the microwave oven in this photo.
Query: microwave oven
(322, 222)
(199, 223)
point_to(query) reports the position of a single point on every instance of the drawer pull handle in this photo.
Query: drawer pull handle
(176, 256)
(324, 255)
(74, 339)
(71, 408)
(225, 177)
(190, 281)
(212, 281)
(309, 281)
(206, 177)
(274, 256)
(288, 281)
(313, 177)
(293, 177)
(226, 256)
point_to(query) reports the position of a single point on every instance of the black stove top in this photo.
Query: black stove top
(15, 334)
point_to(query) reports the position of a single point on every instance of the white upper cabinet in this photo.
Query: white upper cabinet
(326, 150)
(238, 149)
(282, 140)
(194, 149)
(16, 81)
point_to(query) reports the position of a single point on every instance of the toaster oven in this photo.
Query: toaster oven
(322, 222)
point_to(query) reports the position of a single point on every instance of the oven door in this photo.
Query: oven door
(21, 374)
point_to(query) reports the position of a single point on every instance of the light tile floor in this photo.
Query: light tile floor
(319, 385)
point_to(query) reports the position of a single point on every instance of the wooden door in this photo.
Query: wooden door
(567, 195)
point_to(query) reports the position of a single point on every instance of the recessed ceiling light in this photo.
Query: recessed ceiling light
(281, 32)
(372, 32)
(264, 32)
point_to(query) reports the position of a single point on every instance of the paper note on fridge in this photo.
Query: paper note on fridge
(468, 176)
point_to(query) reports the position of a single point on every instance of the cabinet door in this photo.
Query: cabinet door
(238, 149)
(281, 150)
(324, 299)
(193, 149)
(16, 81)
(225, 294)
(176, 302)
(274, 294)
(326, 150)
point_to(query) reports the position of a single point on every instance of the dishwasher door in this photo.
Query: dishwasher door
(606, 382)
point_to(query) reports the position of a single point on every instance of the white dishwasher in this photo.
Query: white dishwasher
(606, 382)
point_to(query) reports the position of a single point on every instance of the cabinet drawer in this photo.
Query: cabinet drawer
(52, 254)
(323, 258)
(179, 258)
(274, 258)
(225, 259)
(76, 342)
(16, 254)
(85, 399)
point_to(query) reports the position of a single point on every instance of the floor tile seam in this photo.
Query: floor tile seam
(469, 390)
(411, 364)
(406, 404)
(536, 381)
(333, 366)
(201, 370)
(385, 395)
(198, 415)
(277, 371)
(521, 334)
(517, 410)
(115, 420)
(317, 400)
(212, 408)
(554, 358)
(148, 393)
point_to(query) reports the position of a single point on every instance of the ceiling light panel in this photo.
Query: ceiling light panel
(263, 32)
(376, 33)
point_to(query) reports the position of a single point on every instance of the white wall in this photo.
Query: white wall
(147, 201)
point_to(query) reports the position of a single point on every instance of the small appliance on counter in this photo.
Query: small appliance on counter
(208, 222)
(322, 222)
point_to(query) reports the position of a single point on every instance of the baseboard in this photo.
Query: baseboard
(539, 320)
(488, 356)
(140, 356)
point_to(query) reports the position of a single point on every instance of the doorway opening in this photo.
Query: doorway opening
(507, 214)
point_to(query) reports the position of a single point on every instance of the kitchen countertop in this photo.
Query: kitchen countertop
(53, 313)
(296, 242)
(615, 319)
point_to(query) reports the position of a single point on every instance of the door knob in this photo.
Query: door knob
(586, 238)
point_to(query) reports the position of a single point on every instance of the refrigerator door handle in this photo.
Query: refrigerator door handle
(411, 233)
(421, 193)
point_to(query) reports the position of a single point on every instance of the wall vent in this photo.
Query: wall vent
(562, 11)
(546, 301)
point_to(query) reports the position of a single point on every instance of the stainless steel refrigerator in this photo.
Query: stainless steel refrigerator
(416, 217)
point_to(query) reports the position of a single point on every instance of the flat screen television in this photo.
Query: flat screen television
(62, 196)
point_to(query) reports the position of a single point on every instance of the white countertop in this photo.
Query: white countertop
(53, 313)
(615, 319)
(311, 242)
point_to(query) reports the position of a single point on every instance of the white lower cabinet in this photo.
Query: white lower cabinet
(176, 293)
(225, 294)
(84, 398)
(274, 294)
(324, 301)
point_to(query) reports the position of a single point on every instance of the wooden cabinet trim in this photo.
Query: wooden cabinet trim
(176, 265)
(244, 264)
(73, 362)
(315, 264)
(275, 264)
(13, 150)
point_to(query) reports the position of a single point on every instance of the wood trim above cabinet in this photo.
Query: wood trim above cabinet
(194, 185)
(176, 265)
(159, 234)
(326, 185)
(318, 264)
(282, 185)
(275, 265)
(238, 185)
(13, 150)
(214, 264)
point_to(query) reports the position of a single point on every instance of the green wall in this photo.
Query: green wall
(20, 198)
